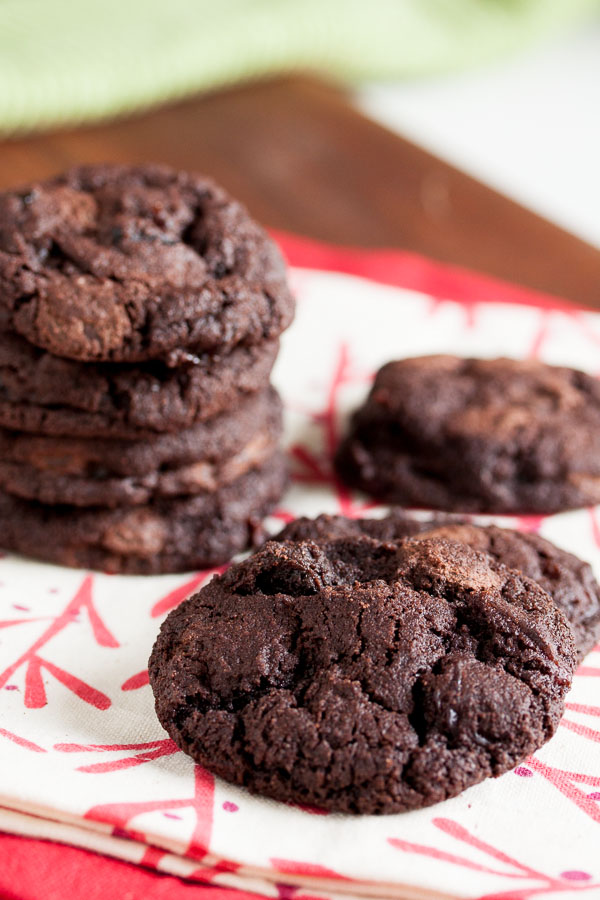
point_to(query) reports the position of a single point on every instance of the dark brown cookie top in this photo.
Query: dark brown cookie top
(363, 676)
(498, 435)
(566, 578)
(165, 535)
(124, 263)
(44, 394)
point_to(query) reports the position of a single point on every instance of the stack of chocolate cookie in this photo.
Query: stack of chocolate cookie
(140, 310)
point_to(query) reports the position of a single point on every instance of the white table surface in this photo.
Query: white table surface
(528, 126)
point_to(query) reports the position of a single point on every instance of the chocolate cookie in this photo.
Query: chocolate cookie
(163, 536)
(43, 394)
(362, 676)
(495, 435)
(77, 472)
(566, 578)
(123, 263)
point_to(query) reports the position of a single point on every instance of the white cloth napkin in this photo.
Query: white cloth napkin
(84, 760)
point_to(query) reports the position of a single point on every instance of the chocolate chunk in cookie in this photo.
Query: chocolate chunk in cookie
(566, 578)
(478, 435)
(362, 676)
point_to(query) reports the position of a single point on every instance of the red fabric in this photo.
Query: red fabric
(41, 870)
(401, 268)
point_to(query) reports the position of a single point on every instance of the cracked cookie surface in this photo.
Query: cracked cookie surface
(362, 676)
(477, 435)
(125, 263)
(566, 578)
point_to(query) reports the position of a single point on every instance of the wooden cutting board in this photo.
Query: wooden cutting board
(302, 159)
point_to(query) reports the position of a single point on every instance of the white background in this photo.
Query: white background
(528, 126)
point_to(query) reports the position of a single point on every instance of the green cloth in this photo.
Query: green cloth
(65, 61)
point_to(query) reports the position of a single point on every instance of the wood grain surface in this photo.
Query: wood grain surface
(304, 160)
